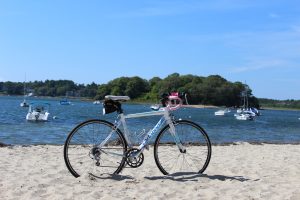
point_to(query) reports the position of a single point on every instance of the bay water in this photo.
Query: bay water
(273, 126)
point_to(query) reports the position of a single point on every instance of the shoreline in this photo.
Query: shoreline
(201, 106)
(3, 145)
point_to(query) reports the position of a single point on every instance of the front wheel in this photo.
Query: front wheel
(95, 147)
(186, 151)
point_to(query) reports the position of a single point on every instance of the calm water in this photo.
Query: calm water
(272, 127)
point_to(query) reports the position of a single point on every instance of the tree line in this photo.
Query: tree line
(52, 88)
(211, 90)
(271, 103)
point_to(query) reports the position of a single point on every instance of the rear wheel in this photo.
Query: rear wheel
(82, 152)
(196, 154)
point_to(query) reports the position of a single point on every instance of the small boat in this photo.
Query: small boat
(251, 111)
(239, 110)
(155, 107)
(255, 111)
(246, 112)
(222, 112)
(243, 116)
(38, 111)
(65, 101)
(96, 102)
(24, 103)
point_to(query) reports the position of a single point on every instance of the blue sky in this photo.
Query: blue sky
(253, 41)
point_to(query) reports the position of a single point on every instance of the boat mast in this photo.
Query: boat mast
(24, 92)
(186, 101)
(246, 102)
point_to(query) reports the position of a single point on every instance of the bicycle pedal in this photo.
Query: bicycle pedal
(147, 147)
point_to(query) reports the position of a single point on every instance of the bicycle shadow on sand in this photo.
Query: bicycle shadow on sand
(184, 177)
(180, 177)
(115, 177)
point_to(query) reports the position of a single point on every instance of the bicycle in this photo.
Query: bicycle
(99, 147)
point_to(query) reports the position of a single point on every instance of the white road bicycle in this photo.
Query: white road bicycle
(98, 147)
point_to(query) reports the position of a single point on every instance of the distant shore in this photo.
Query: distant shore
(278, 108)
(148, 102)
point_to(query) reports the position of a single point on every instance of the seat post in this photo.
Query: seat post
(119, 105)
(126, 131)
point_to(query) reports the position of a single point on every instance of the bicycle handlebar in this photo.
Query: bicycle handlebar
(172, 102)
(177, 106)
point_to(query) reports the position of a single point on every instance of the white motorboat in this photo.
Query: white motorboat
(24, 103)
(251, 111)
(255, 111)
(240, 110)
(155, 107)
(96, 102)
(222, 112)
(243, 116)
(38, 112)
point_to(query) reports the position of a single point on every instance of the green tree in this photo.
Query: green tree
(136, 86)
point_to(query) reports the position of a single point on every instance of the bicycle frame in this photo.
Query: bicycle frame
(165, 119)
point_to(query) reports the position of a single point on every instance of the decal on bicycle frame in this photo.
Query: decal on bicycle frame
(151, 132)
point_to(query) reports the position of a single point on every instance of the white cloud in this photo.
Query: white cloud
(288, 80)
(295, 28)
(260, 65)
(255, 50)
(274, 15)
(169, 8)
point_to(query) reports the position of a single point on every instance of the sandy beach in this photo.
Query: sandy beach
(242, 171)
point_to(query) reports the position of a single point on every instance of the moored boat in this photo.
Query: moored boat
(222, 112)
(96, 102)
(243, 116)
(38, 112)
(65, 101)
(246, 112)
(24, 103)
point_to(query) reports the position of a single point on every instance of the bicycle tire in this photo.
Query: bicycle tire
(82, 156)
(196, 141)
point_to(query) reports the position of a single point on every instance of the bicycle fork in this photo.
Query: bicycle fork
(180, 146)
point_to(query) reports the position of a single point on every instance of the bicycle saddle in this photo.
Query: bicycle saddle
(117, 98)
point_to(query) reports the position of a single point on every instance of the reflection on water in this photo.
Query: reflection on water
(273, 126)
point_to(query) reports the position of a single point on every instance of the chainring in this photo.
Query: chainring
(131, 158)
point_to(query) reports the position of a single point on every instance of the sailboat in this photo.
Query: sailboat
(245, 113)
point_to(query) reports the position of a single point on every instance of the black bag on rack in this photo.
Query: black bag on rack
(110, 106)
